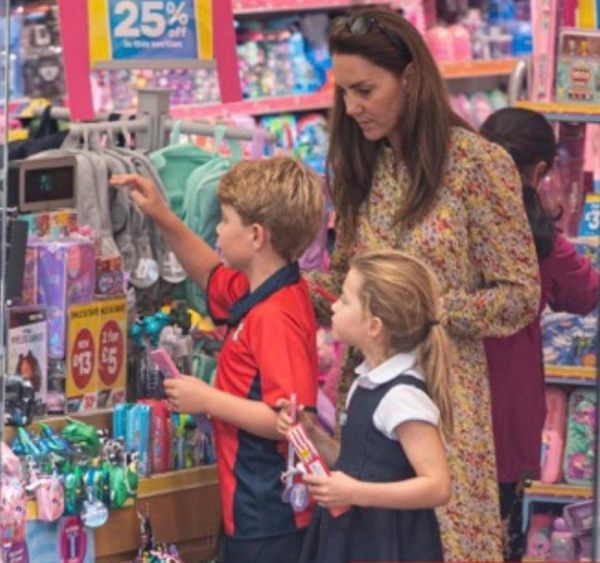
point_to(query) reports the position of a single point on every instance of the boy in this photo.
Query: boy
(271, 211)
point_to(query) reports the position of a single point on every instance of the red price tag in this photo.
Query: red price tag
(111, 352)
(82, 358)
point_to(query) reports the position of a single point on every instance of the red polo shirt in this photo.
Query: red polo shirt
(269, 353)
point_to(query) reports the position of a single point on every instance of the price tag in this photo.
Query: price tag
(149, 30)
(590, 219)
(83, 358)
(111, 353)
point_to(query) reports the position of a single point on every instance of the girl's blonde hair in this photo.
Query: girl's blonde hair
(405, 294)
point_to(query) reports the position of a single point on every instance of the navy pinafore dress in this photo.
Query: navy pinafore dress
(372, 534)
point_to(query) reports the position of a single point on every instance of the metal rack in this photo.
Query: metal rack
(152, 123)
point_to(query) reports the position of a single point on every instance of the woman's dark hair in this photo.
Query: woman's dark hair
(529, 139)
(386, 39)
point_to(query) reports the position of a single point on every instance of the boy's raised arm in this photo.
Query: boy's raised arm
(197, 258)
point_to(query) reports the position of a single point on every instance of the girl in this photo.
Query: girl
(391, 462)
(569, 283)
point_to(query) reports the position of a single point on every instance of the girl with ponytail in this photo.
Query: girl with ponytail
(390, 464)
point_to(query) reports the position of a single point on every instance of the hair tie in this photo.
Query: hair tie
(433, 323)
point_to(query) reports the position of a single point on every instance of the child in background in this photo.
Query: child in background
(391, 462)
(516, 364)
(271, 211)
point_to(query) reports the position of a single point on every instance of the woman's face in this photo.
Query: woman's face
(372, 95)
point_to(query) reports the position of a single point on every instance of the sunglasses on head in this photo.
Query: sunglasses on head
(363, 25)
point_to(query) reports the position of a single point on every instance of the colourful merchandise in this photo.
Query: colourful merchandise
(578, 66)
(578, 463)
(538, 537)
(66, 276)
(569, 340)
(553, 435)
(28, 350)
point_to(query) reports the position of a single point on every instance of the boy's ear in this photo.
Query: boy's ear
(260, 235)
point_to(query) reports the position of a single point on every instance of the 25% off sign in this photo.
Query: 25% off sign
(150, 33)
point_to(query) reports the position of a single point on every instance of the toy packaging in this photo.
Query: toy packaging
(569, 340)
(310, 459)
(66, 276)
(52, 224)
(578, 66)
(578, 465)
(29, 293)
(28, 350)
(137, 436)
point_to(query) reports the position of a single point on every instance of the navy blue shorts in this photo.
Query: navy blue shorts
(280, 549)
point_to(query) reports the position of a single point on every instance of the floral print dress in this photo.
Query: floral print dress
(478, 242)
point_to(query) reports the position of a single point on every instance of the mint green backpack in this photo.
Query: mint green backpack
(191, 176)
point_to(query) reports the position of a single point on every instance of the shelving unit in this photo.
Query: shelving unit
(570, 375)
(322, 100)
(176, 501)
(560, 493)
(580, 113)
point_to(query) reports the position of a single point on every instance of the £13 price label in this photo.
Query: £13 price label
(111, 352)
(83, 358)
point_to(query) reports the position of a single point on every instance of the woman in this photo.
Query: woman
(516, 363)
(407, 173)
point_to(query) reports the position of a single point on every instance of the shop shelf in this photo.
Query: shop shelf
(242, 7)
(558, 493)
(582, 113)
(573, 375)
(163, 484)
(322, 100)
(477, 68)
(259, 106)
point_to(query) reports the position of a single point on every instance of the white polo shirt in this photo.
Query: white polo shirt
(402, 402)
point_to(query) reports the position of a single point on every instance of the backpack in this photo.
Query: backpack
(191, 176)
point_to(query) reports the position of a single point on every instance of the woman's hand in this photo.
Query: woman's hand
(337, 489)
(187, 394)
(144, 194)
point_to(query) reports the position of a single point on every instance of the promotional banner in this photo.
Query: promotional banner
(87, 32)
(133, 32)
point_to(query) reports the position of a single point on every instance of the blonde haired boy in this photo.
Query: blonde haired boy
(271, 211)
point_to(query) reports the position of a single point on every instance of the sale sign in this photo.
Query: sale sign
(82, 357)
(112, 352)
(137, 32)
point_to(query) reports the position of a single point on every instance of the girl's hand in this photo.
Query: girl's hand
(337, 489)
(187, 394)
(284, 419)
(144, 194)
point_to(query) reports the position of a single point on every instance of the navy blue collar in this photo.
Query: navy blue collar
(288, 275)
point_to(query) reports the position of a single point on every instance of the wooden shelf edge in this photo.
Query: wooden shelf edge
(570, 374)
(560, 490)
(564, 112)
